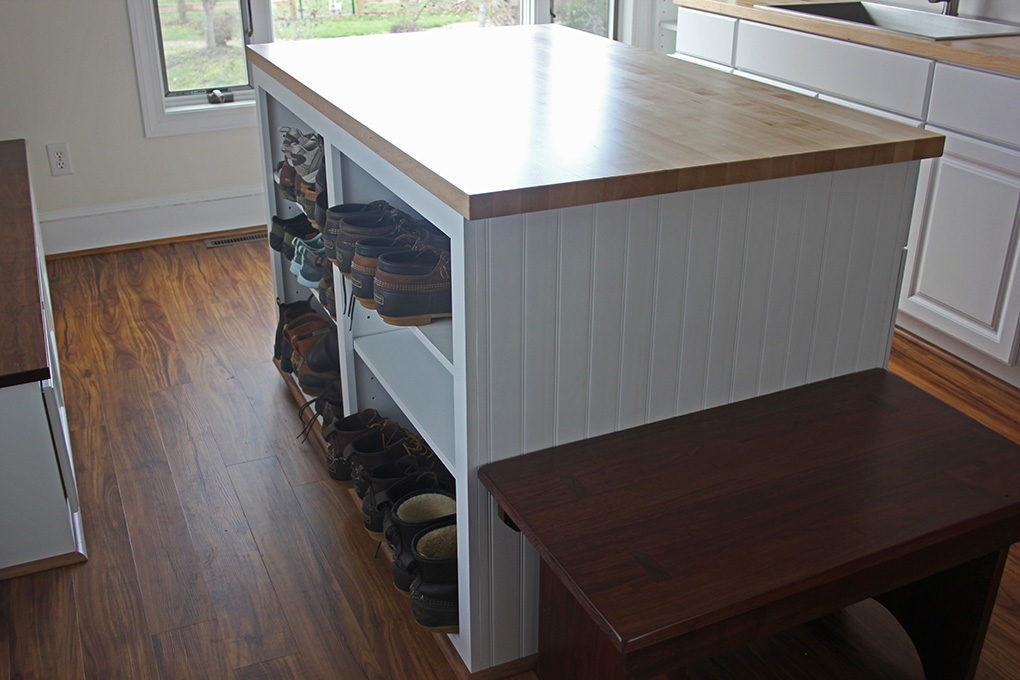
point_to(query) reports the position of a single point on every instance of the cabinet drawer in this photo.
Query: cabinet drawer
(702, 62)
(889, 80)
(705, 35)
(983, 104)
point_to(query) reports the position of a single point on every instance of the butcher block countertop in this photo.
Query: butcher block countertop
(1000, 54)
(503, 121)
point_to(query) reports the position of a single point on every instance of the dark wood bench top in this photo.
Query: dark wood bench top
(22, 349)
(821, 495)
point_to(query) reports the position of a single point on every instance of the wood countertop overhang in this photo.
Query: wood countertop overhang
(504, 121)
(22, 336)
(1000, 54)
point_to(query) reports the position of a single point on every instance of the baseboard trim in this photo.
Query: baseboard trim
(152, 220)
(44, 564)
(984, 397)
(259, 228)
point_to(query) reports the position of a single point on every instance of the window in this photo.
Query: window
(185, 48)
(593, 16)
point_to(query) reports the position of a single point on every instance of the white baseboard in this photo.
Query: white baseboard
(65, 231)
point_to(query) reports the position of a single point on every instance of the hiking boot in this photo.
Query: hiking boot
(413, 287)
(353, 228)
(287, 313)
(342, 432)
(389, 483)
(306, 196)
(413, 513)
(381, 445)
(319, 212)
(319, 366)
(304, 332)
(434, 589)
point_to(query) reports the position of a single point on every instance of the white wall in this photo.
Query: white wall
(68, 75)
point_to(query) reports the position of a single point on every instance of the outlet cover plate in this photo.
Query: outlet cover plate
(60, 158)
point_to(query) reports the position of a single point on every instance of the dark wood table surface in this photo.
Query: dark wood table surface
(22, 349)
(690, 536)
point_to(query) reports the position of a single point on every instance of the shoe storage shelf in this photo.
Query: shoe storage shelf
(632, 238)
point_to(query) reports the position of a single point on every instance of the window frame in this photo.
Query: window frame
(165, 115)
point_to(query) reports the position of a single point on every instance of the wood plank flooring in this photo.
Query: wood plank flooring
(218, 548)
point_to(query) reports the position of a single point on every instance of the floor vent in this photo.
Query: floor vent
(231, 240)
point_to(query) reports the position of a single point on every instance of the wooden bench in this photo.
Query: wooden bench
(673, 542)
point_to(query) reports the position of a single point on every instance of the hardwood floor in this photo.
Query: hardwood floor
(218, 548)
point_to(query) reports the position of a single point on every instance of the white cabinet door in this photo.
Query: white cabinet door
(962, 273)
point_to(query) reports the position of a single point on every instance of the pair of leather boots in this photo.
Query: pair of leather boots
(407, 497)
(398, 266)
(306, 345)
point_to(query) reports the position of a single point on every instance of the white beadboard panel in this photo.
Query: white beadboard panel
(670, 283)
(896, 204)
(759, 257)
(574, 303)
(541, 274)
(506, 418)
(832, 278)
(639, 279)
(860, 260)
(817, 191)
(698, 298)
(592, 319)
(606, 329)
(726, 291)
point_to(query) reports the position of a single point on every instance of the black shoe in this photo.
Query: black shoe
(434, 589)
(389, 483)
(281, 346)
(381, 445)
(340, 433)
(413, 513)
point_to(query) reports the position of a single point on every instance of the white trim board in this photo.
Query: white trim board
(65, 231)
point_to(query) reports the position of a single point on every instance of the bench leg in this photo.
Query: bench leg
(946, 615)
(570, 645)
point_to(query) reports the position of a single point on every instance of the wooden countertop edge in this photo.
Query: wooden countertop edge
(952, 51)
(23, 337)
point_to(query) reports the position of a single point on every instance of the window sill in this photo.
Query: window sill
(191, 118)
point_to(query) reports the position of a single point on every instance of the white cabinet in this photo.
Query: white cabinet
(888, 80)
(962, 276)
(960, 280)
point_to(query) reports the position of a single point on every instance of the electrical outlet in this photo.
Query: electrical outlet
(60, 158)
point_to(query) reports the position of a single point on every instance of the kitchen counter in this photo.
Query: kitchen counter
(512, 120)
(994, 54)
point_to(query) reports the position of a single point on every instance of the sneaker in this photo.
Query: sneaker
(297, 227)
(434, 589)
(413, 513)
(342, 432)
(308, 158)
(411, 288)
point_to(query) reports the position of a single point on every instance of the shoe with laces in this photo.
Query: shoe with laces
(319, 367)
(380, 445)
(434, 589)
(413, 287)
(284, 178)
(412, 514)
(308, 158)
(353, 228)
(337, 213)
(287, 313)
(342, 432)
(389, 483)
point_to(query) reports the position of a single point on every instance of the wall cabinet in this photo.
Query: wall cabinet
(961, 273)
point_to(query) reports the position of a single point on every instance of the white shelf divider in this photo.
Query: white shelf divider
(438, 339)
(418, 383)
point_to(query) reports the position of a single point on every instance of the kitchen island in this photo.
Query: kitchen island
(632, 238)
